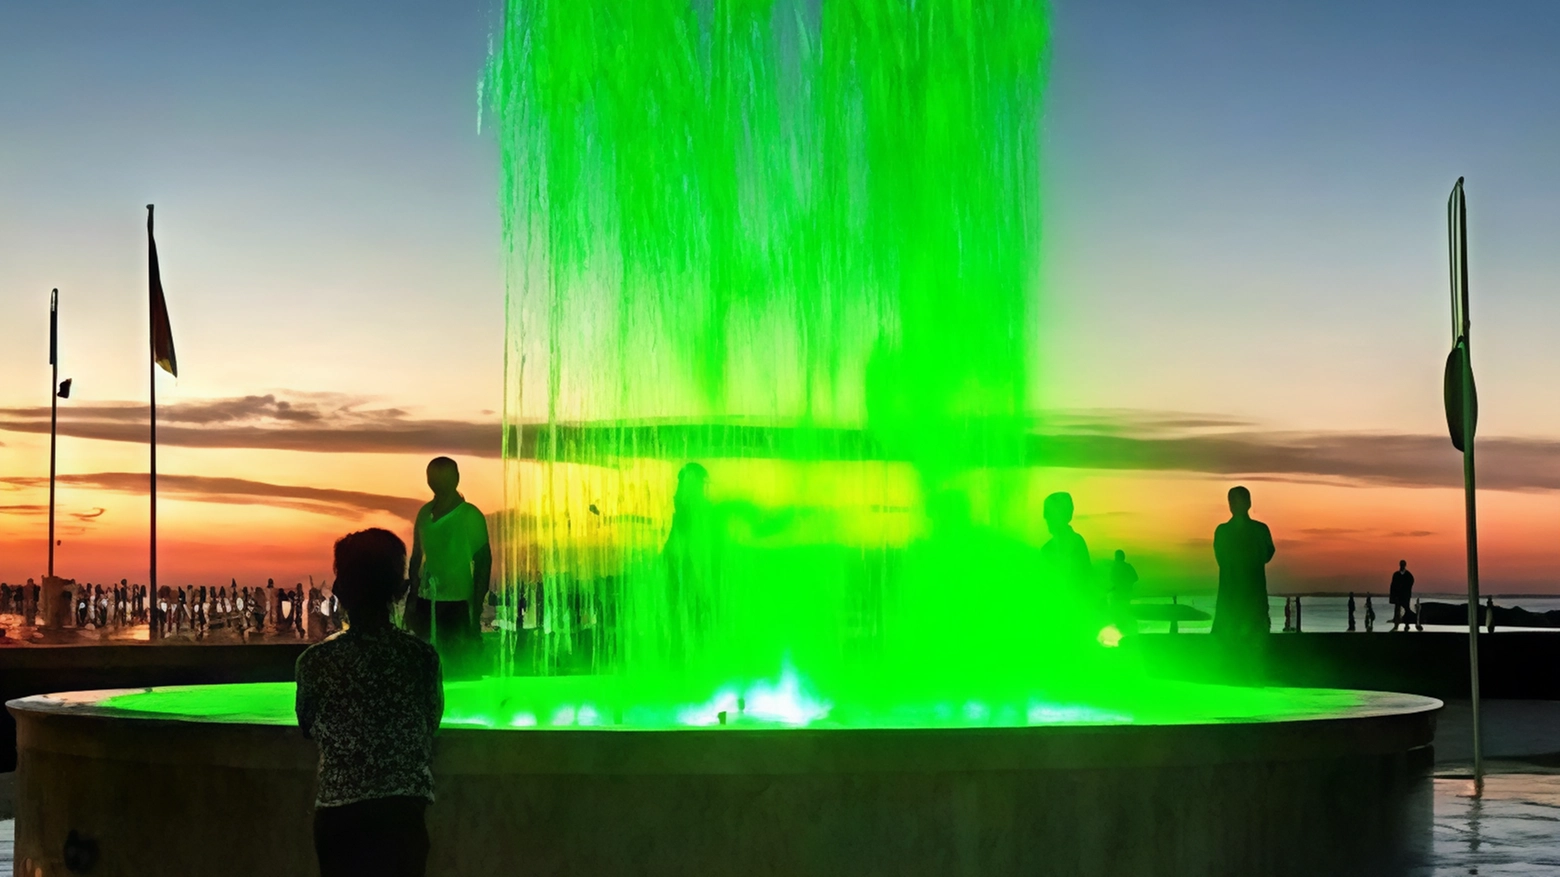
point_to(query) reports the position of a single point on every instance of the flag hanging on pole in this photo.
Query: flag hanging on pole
(162, 334)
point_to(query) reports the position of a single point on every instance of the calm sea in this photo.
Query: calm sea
(1324, 613)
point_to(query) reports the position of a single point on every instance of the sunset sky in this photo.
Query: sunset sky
(1244, 251)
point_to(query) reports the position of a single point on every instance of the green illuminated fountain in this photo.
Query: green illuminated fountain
(796, 246)
(773, 296)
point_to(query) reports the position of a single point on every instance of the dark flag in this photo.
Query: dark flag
(64, 391)
(162, 334)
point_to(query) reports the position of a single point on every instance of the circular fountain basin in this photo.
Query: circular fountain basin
(541, 776)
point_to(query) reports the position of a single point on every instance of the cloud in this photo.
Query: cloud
(321, 500)
(1347, 458)
(1156, 441)
(319, 423)
(24, 509)
(89, 516)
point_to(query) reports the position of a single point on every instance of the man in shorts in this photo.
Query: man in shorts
(450, 566)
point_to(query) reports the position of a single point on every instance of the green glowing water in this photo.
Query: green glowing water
(794, 242)
(564, 702)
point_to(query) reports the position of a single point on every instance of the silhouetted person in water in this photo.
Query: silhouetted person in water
(451, 565)
(1068, 570)
(691, 557)
(1123, 581)
(1242, 546)
(1370, 615)
(1401, 595)
(371, 697)
(1489, 614)
(1351, 611)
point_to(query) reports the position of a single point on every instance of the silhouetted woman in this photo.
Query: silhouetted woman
(371, 697)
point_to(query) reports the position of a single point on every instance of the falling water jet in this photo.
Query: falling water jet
(794, 244)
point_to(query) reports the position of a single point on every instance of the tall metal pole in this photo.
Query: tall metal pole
(54, 408)
(151, 375)
(1457, 220)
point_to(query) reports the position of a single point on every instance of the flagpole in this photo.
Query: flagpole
(151, 375)
(54, 409)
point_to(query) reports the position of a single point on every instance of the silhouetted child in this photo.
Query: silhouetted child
(372, 697)
(1370, 615)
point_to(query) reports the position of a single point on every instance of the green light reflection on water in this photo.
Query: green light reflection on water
(559, 703)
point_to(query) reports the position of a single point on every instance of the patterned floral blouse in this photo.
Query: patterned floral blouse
(372, 699)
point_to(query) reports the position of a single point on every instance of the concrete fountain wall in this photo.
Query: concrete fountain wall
(1319, 796)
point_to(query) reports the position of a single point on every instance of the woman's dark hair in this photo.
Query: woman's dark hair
(370, 569)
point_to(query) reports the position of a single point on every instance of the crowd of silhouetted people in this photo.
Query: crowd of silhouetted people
(192, 611)
(20, 600)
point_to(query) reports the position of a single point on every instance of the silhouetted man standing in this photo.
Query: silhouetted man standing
(1401, 595)
(1069, 573)
(451, 562)
(1243, 547)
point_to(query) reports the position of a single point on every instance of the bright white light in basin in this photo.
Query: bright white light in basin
(523, 720)
(563, 715)
(1072, 714)
(784, 701)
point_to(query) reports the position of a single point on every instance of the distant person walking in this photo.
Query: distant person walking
(372, 698)
(1242, 546)
(1401, 595)
(451, 564)
(1370, 615)
(1351, 611)
(1123, 584)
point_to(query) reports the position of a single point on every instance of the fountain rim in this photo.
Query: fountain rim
(1399, 723)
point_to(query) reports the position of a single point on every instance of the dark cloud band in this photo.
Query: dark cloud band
(1120, 440)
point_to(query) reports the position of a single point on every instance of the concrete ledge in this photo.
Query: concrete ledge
(29, 670)
(1222, 798)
